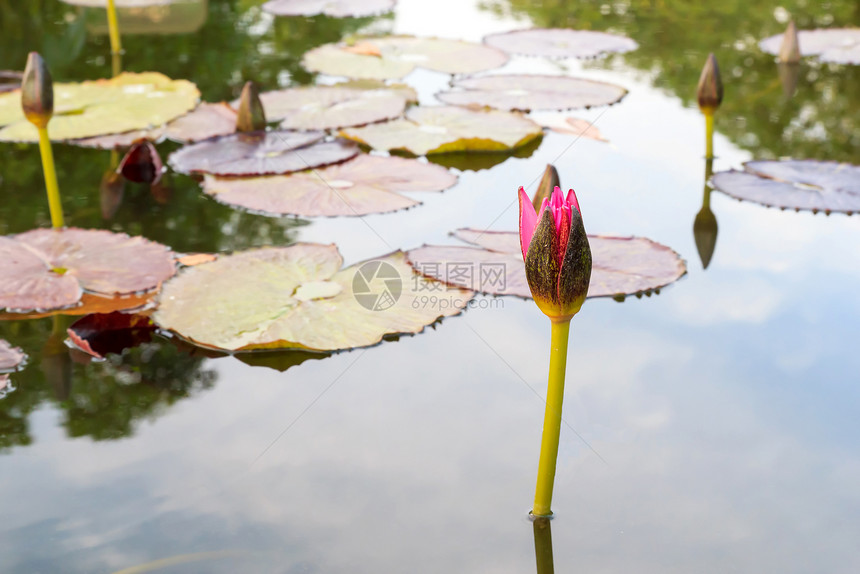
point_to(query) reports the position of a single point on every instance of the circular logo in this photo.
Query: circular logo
(376, 285)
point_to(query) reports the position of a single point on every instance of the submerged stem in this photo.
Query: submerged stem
(552, 418)
(113, 28)
(54, 203)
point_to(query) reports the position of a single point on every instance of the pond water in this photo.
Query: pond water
(712, 427)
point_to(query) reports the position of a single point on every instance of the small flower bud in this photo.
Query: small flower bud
(710, 90)
(252, 117)
(789, 50)
(547, 184)
(37, 91)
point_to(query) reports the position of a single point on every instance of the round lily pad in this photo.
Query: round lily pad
(443, 129)
(560, 43)
(366, 184)
(621, 265)
(795, 184)
(525, 92)
(120, 3)
(299, 297)
(332, 8)
(261, 153)
(11, 358)
(87, 109)
(47, 269)
(338, 106)
(575, 127)
(839, 45)
(393, 57)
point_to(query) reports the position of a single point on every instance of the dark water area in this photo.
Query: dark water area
(712, 427)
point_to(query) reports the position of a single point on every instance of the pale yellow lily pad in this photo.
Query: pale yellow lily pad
(299, 297)
(443, 129)
(87, 109)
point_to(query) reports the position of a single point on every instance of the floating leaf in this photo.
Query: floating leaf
(103, 333)
(795, 184)
(48, 269)
(120, 141)
(575, 127)
(338, 106)
(525, 92)
(297, 297)
(11, 358)
(332, 8)
(261, 153)
(560, 43)
(10, 80)
(839, 45)
(393, 57)
(366, 184)
(621, 265)
(121, 104)
(470, 161)
(121, 3)
(442, 129)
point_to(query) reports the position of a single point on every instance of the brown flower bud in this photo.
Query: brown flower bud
(547, 184)
(710, 90)
(252, 117)
(789, 50)
(37, 91)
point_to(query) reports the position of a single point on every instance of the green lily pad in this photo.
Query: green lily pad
(560, 43)
(47, 269)
(526, 92)
(261, 153)
(621, 265)
(338, 106)
(443, 129)
(795, 184)
(332, 8)
(839, 45)
(366, 184)
(393, 57)
(11, 358)
(248, 301)
(125, 103)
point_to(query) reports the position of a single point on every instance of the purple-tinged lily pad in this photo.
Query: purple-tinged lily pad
(261, 153)
(47, 269)
(621, 265)
(444, 129)
(838, 45)
(339, 106)
(10, 80)
(11, 358)
(795, 184)
(575, 127)
(332, 8)
(560, 43)
(526, 92)
(393, 57)
(363, 185)
(299, 297)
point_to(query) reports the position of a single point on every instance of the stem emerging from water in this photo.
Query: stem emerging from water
(709, 135)
(54, 203)
(552, 418)
(113, 28)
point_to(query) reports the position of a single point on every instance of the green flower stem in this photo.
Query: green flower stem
(54, 203)
(552, 418)
(113, 28)
(709, 135)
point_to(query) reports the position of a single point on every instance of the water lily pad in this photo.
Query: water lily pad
(332, 8)
(46, 269)
(10, 80)
(125, 103)
(839, 45)
(443, 129)
(248, 300)
(11, 358)
(560, 43)
(393, 57)
(575, 127)
(795, 184)
(366, 184)
(261, 153)
(338, 106)
(120, 3)
(525, 92)
(621, 265)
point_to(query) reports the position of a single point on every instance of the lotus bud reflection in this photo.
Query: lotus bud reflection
(710, 90)
(251, 117)
(556, 253)
(37, 91)
(789, 50)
